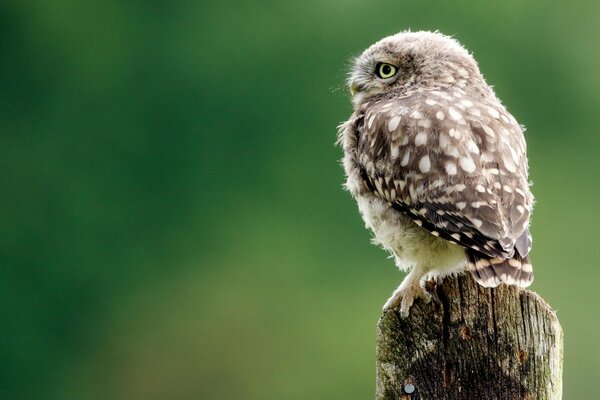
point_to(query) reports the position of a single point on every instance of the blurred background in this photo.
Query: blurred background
(172, 219)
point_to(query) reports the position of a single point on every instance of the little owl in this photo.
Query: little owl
(437, 165)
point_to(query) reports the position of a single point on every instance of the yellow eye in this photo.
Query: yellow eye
(385, 71)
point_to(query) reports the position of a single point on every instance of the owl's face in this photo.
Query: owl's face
(410, 61)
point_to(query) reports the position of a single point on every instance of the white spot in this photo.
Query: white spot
(378, 185)
(393, 123)
(514, 155)
(430, 102)
(483, 262)
(477, 222)
(480, 188)
(461, 204)
(452, 132)
(455, 115)
(395, 151)
(435, 233)
(440, 115)
(472, 147)
(421, 138)
(467, 164)
(488, 131)
(466, 103)
(477, 204)
(505, 119)
(497, 185)
(487, 157)
(462, 72)
(370, 122)
(514, 263)
(448, 78)
(507, 189)
(424, 164)
(493, 171)
(510, 165)
(456, 236)
(405, 159)
(411, 191)
(475, 112)
(520, 209)
(460, 187)
(520, 192)
(450, 168)
(416, 115)
(493, 112)
(444, 141)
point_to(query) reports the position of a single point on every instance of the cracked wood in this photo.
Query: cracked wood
(471, 343)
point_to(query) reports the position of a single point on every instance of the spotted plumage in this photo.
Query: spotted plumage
(437, 164)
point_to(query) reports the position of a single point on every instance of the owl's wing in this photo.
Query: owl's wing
(459, 170)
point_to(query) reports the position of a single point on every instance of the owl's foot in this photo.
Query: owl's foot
(410, 289)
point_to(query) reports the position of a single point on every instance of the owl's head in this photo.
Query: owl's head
(409, 61)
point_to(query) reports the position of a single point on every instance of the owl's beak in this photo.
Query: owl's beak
(354, 88)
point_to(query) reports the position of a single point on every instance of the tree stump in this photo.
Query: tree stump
(471, 343)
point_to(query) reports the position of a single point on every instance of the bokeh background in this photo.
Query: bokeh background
(172, 220)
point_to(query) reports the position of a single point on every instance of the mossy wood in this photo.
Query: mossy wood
(471, 343)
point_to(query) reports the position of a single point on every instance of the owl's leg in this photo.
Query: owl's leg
(411, 288)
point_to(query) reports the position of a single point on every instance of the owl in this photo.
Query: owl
(437, 165)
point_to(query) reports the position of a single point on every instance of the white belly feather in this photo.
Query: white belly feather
(411, 245)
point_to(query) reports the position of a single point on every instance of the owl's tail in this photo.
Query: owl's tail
(491, 272)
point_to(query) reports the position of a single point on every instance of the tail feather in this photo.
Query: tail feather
(491, 272)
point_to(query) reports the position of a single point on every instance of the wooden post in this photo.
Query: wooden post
(471, 343)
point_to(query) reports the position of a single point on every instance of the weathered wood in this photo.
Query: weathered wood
(471, 343)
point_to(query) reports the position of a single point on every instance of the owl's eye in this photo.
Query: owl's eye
(385, 70)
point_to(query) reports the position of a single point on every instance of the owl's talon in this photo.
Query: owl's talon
(405, 296)
(426, 296)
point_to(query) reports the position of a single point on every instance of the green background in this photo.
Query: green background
(172, 220)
